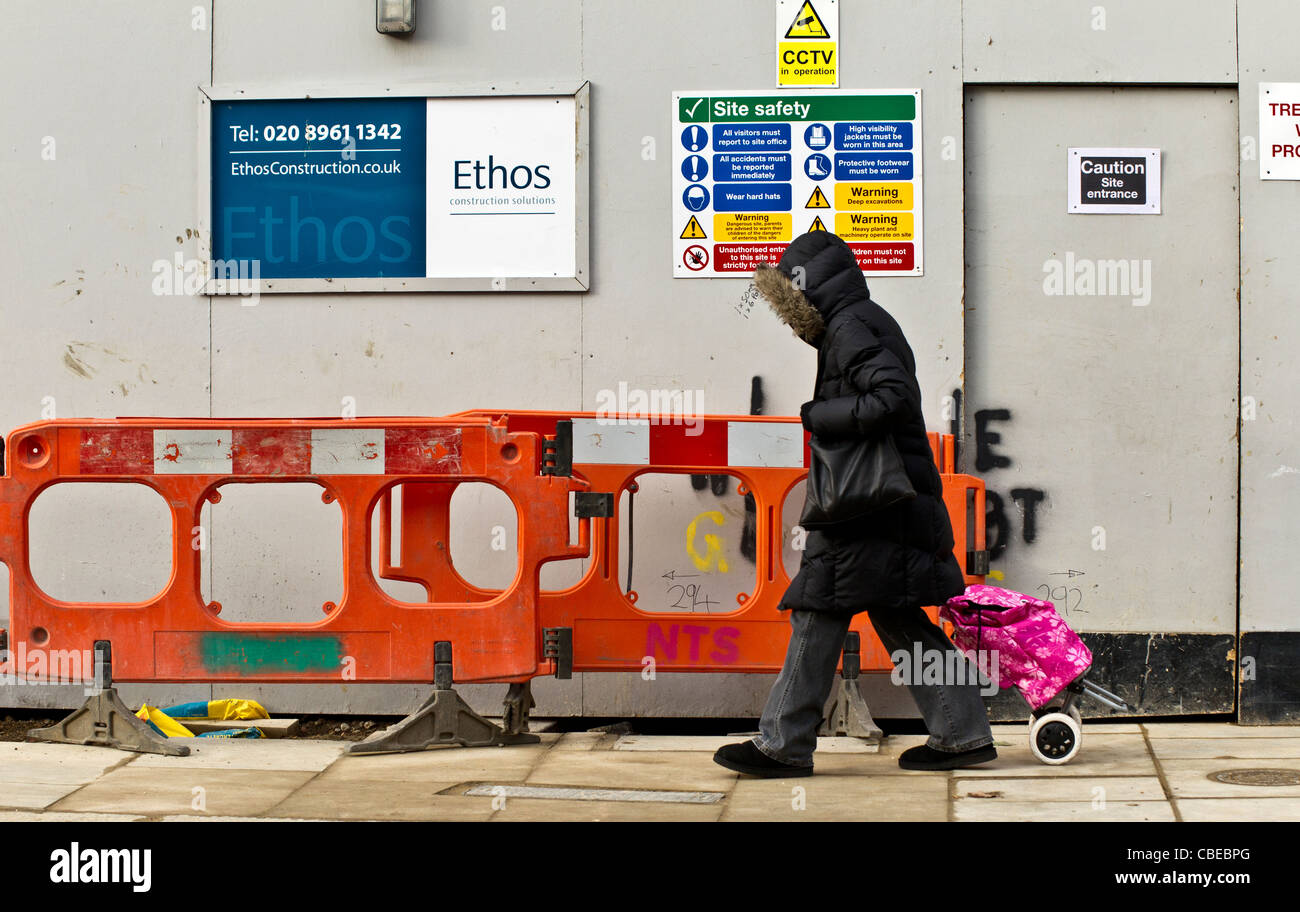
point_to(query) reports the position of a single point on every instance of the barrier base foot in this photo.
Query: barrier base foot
(518, 703)
(104, 720)
(443, 719)
(849, 716)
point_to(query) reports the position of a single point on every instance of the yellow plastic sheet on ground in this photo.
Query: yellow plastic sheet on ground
(164, 721)
(224, 709)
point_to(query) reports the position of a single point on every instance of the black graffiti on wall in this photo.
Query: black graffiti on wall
(990, 455)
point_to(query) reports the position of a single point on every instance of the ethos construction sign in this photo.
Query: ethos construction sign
(411, 193)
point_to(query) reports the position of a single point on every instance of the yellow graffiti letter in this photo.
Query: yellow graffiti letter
(705, 561)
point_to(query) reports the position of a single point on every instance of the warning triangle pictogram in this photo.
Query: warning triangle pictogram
(693, 231)
(817, 225)
(807, 24)
(817, 200)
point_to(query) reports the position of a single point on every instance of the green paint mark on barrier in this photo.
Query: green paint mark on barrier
(224, 652)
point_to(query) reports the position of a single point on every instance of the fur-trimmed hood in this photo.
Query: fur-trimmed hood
(789, 303)
(818, 274)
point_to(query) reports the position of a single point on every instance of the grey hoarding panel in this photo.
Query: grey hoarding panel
(1270, 328)
(99, 123)
(1102, 357)
(1135, 41)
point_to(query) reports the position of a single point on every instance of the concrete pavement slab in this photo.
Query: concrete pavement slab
(1238, 809)
(197, 818)
(154, 792)
(33, 796)
(35, 775)
(237, 753)
(682, 770)
(580, 741)
(838, 798)
(547, 809)
(865, 765)
(711, 743)
(398, 799)
(884, 763)
(1218, 730)
(1074, 811)
(1191, 779)
(1100, 755)
(454, 764)
(56, 763)
(1063, 788)
(1226, 748)
(55, 817)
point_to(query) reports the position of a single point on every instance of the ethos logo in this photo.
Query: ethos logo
(477, 175)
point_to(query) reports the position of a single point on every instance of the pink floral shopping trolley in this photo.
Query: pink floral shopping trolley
(1021, 641)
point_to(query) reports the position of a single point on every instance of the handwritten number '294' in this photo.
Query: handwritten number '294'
(693, 593)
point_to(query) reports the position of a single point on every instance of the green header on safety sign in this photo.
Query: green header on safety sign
(741, 108)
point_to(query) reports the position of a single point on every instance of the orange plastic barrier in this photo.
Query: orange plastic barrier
(368, 636)
(538, 458)
(768, 456)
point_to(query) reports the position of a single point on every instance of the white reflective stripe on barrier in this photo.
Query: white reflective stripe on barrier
(192, 451)
(350, 451)
(763, 443)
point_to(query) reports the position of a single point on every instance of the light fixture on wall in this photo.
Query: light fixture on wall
(394, 17)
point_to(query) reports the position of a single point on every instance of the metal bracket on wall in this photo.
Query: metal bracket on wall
(977, 563)
(104, 720)
(444, 718)
(849, 715)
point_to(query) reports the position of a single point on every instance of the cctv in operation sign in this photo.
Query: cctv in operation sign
(409, 193)
(753, 170)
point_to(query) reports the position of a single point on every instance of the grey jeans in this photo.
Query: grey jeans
(954, 713)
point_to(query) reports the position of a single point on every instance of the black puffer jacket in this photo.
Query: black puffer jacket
(901, 557)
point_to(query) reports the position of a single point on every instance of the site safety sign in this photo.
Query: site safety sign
(753, 170)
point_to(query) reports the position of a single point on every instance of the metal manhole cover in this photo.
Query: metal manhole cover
(1257, 777)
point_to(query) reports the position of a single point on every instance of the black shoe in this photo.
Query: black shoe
(926, 758)
(747, 758)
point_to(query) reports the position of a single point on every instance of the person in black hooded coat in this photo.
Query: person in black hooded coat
(891, 563)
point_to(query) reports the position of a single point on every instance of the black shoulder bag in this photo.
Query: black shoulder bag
(852, 478)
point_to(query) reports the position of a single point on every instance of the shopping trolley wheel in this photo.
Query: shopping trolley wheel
(1055, 738)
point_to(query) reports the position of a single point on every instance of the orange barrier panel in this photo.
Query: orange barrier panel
(462, 632)
(175, 636)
